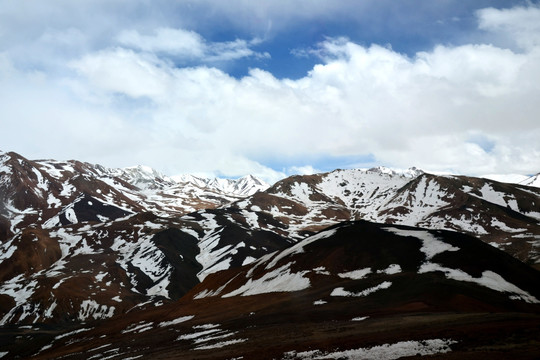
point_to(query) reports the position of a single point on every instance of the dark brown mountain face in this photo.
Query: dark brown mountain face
(356, 290)
(126, 263)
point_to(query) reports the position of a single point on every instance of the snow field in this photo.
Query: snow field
(20, 289)
(210, 336)
(138, 327)
(278, 280)
(176, 321)
(380, 352)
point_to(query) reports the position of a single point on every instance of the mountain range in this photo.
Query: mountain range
(128, 263)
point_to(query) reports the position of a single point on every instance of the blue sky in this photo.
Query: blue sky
(273, 88)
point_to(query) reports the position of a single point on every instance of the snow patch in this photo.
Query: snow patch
(380, 352)
(176, 321)
(342, 292)
(248, 260)
(489, 279)
(139, 327)
(431, 246)
(91, 309)
(356, 274)
(502, 226)
(278, 280)
(390, 270)
(221, 344)
(72, 333)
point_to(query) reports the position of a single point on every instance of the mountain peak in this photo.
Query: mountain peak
(411, 172)
(244, 186)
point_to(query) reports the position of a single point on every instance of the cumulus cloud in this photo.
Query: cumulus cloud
(362, 99)
(469, 109)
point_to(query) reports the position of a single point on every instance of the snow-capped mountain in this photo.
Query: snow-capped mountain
(49, 193)
(81, 243)
(355, 290)
(505, 215)
(143, 177)
(244, 186)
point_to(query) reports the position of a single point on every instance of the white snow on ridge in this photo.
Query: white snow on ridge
(431, 246)
(241, 187)
(420, 202)
(361, 188)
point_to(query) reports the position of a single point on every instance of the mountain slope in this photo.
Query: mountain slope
(505, 215)
(92, 271)
(356, 288)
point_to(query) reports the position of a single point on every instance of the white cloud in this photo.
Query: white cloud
(520, 24)
(124, 71)
(189, 45)
(173, 41)
(303, 170)
(469, 109)
(406, 111)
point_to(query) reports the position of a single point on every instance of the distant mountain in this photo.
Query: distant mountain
(68, 228)
(504, 215)
(355, 290)
(244, 186)
(51, 193)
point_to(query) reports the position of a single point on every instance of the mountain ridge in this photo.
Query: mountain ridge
(79, 244)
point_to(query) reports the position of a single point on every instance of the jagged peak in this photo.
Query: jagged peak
(411, 172)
